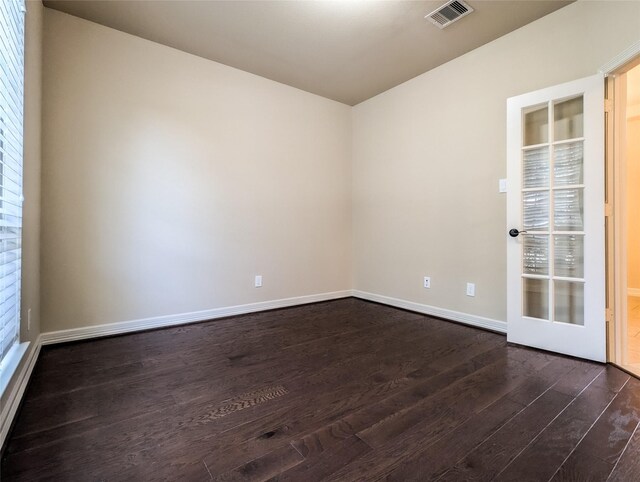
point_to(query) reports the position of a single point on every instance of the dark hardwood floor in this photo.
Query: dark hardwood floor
(342, 390)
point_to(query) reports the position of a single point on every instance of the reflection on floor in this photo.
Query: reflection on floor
(633, 333)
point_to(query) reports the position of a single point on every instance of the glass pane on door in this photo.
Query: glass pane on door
(569, 255)
(536, 298)
(535, 168)
(569, 302)
(535, 210)
(568, 164)
(536, 126)
(535, 257)
(567, 119)
(568, 210)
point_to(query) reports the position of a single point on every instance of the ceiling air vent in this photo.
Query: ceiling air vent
(449, 13)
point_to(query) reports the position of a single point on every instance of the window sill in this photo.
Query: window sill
(10, 363)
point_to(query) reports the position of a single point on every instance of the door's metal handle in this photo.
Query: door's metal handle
(514, 232)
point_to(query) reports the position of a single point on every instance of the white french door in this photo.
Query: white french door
(555, 219)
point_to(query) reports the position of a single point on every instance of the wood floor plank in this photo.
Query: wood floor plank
(359, 420)
(433, 460)
(628, 466)
(488, 459)
(407, 460)
(87, 399)
(418, 448)
(597, 453)
(340, 390)
(589, 470)
(178, 345)
(117, 403)
(175, 424)
(195, 427)
(167, 357)
(306, 419)
(176, 420)
(456, 402)
(556, 442)
(265, 467)
(325, 463)
(573, 383)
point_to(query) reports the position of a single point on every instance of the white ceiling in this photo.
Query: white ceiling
(346, 50)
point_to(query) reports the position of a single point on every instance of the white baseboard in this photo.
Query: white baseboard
(120, 327)
(15, 395)
(633, 291)
(13, 399)
(117, 328)
(479, 321)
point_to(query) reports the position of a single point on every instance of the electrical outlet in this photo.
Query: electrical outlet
(426, 282)
(258, 281)
(29, 319)
(471, 289)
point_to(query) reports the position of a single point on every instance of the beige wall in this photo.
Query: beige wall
(633, 179)
(169, 181)
(31, 181)
(427, 156)
(32, 158)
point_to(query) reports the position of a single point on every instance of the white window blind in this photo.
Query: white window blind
(11, 132)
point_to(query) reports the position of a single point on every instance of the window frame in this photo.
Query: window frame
(12, 87)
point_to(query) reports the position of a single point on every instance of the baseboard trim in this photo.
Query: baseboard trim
(633, 291)
(121, 327)
(467, 319)
(14, 397)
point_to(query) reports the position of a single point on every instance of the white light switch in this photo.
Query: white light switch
(502, 185)
(258, 281)
(471, 289)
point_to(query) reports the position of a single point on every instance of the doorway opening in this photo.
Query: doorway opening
(632, 156)
(623, 210)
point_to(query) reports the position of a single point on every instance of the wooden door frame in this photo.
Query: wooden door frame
(615, 205)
